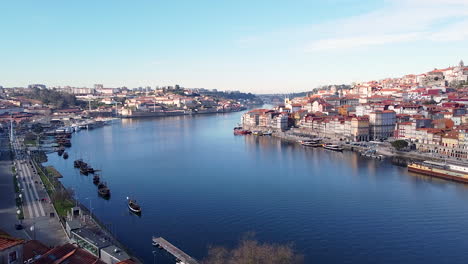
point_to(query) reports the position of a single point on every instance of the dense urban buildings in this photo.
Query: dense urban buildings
(428, 110)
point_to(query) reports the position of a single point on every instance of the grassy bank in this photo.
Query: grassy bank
(57, 193)
(51, 171)
(63, 206)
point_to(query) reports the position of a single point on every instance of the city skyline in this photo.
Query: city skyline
(261, 47)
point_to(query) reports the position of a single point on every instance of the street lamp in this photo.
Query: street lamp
(90, 208)
(18, 212)
(33, 229)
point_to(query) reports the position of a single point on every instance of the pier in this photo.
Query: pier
(181, 256)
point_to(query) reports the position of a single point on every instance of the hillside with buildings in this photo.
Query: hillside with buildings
(427, 110)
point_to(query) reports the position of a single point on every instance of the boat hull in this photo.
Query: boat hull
(134, 210)
(334, 149)
(436, 174)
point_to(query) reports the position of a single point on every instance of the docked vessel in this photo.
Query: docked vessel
(332, 147)
(311, 144)
(103, 190)
(241, 131)
(84, 167)
(134, 206)
(268, 133)
(96, 179)
(257, 133)
(78, 163)
(440, 170)
(61, 151)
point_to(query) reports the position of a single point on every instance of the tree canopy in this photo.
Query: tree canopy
(252, 251)
(399, 144)
(53, 97)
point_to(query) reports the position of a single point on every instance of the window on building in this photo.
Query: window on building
(12, 257)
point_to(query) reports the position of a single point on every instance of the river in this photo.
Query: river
(200, 185)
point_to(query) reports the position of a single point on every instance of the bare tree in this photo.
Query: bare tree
(250, 251)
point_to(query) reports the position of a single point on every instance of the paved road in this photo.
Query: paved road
(8, 217)
(37, 208)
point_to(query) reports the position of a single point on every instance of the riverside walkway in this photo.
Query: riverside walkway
(181, 256)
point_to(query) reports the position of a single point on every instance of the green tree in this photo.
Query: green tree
(399, 144)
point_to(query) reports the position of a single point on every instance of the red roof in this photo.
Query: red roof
(33, 248)
(68, 254)
(8, 242)
(127, 261)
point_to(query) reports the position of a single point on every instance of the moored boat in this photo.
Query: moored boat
(103, 190)
(77, 163)
(65, 155)
(440, 170)
(311, 144)
(96, 179)
(60, 151)
(241, 131)
(332, 147)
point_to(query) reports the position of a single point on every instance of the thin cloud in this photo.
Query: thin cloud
(355, 42)
(400, 21)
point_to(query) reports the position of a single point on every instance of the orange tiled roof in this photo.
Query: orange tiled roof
(8, 242)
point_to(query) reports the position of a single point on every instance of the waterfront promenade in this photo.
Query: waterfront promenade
(41, 221)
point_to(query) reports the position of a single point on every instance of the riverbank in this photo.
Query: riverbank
(399, 158)
(137, 114)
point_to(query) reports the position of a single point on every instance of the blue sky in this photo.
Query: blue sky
(258, 46)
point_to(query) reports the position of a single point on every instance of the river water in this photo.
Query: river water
(200, 185)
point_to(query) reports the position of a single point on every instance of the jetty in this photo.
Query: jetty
(181, 257)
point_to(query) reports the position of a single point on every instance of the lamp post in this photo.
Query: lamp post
(33, 229)
(19, 213)
(90, 208)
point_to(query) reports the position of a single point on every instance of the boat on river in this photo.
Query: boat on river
(103, 190)
(257, 133)
(61, 151)
(65, 155)
(332, 147)
(241, 131)
(133, 206)
(96, 179)
(445, 171)
(311, 144)
(78, 163)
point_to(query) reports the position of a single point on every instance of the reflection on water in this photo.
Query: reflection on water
(200, 185)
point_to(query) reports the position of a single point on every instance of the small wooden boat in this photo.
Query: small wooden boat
(96, 179)
(65, 155)
(133, 206)
(103, 190)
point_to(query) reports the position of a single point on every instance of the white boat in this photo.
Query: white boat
(333, 147)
